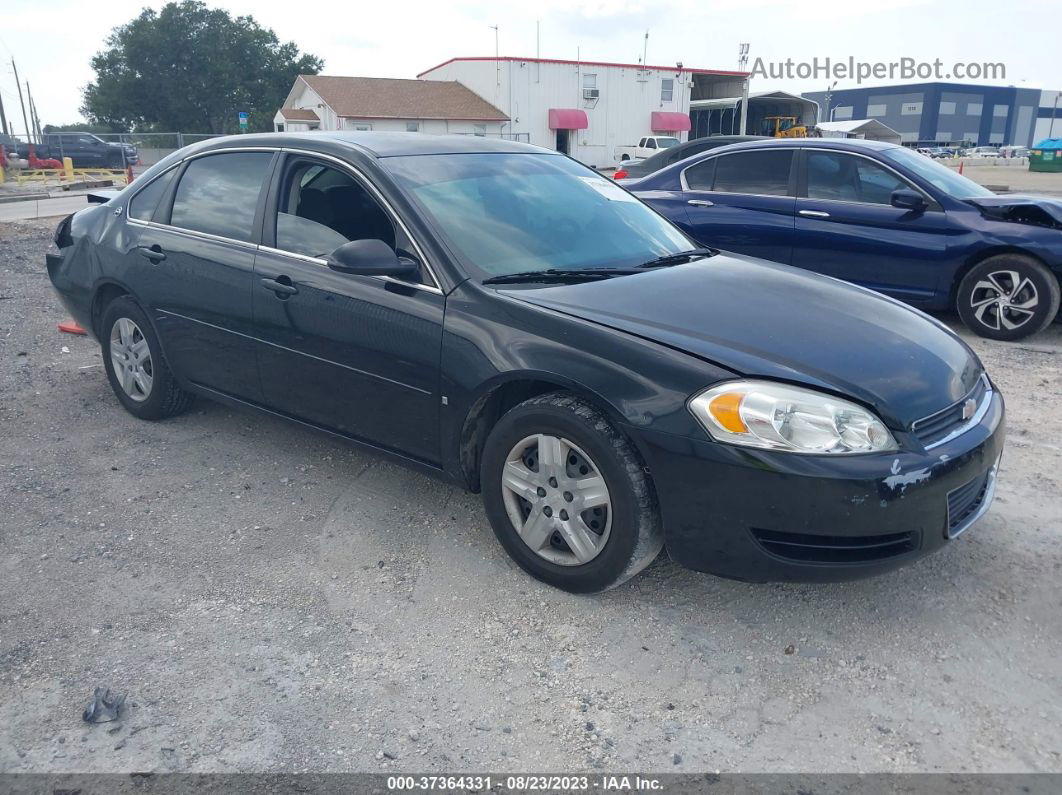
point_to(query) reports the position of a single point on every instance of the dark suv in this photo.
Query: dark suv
(84, 149)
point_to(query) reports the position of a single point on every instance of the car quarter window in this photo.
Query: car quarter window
(142, 205)
(760, 172)
(700, 176)
(319, 208)
(218, 194)
(842, 177)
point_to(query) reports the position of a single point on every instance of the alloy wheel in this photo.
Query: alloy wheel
(131, 359)
(557, 500)
(1004, 300)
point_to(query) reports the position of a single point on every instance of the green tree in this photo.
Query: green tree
(81, 126)
(191, 68)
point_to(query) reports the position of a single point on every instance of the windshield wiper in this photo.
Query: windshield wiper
(679, 258)
(560, 275)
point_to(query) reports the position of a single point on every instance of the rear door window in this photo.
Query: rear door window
(142, 205)
(760, 172)
(218, 194)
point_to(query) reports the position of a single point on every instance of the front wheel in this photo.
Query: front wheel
(1008, 297)
(568, 495)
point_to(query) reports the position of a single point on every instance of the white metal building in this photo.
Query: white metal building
(588, 108)
(327, 102)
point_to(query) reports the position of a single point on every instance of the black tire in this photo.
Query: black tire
(636, 536)
(165, 398)
(624, 158)
(1019, 279)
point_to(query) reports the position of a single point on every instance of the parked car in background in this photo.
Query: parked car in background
(1013, 151)
(982, 152)
(879, 215)
(646, 147)
(506, 318)
(84, 149)
(636, 169)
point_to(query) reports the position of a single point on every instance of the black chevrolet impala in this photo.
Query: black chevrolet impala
(505, 317)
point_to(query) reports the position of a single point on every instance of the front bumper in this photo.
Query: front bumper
(767, 516)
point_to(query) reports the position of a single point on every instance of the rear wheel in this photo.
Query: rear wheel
(138, 372)
(568, 496)
(1008, 297)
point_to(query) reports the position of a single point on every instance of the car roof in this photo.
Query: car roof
(853, 144)
(379, 144)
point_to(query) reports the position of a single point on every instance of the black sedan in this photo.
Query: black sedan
(510, 320)
(643, 168)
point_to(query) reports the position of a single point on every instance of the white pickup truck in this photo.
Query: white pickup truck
(647, 147)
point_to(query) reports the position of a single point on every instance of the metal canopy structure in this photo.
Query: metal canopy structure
(870, 129)
(722, 116)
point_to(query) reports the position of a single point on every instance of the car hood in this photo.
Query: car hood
(1032, 210)
(761, 319)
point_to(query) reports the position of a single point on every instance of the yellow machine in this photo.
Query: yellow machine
(783, 127)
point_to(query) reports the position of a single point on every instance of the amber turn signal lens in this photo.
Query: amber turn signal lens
(726, 409)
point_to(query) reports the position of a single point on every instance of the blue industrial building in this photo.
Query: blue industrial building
(943, 114)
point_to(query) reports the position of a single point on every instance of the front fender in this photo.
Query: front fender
(491, 340)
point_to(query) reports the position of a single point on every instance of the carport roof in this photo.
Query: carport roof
(731, 102)
(393, 98)
(299, 114)
(870, 128)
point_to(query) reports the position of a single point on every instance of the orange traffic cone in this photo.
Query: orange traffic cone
(71, 327)
(960, 166)
(128, 174)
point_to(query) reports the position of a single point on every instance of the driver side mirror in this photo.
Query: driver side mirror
(907, 199)
(371, 258)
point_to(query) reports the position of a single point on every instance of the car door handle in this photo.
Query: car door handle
(153, 252)
(815, 213)
(281, 288)
(701, 203)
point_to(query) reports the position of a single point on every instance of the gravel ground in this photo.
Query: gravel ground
(271, 600)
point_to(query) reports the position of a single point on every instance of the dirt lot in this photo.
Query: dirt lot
(272, 600)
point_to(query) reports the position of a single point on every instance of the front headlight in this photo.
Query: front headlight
(781, 417)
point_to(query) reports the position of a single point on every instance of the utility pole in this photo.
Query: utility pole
(3, 119)
(829, 96)
(497, 63)
(1054, 109)
(743, 61)
(25, 121)
(33, 115)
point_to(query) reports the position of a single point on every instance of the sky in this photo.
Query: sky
(52, 41)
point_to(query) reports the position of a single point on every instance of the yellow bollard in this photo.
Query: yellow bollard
(68, 169)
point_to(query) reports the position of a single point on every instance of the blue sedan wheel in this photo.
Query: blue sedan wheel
(1008, 297)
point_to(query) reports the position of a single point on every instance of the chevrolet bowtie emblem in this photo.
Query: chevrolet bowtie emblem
(968, 408)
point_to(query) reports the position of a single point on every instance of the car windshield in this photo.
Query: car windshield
(667, 143)
(514, 212)
(940, 177)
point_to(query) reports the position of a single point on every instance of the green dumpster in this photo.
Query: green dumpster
(1046, 155)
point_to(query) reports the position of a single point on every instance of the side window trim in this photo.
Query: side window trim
(429, 281)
